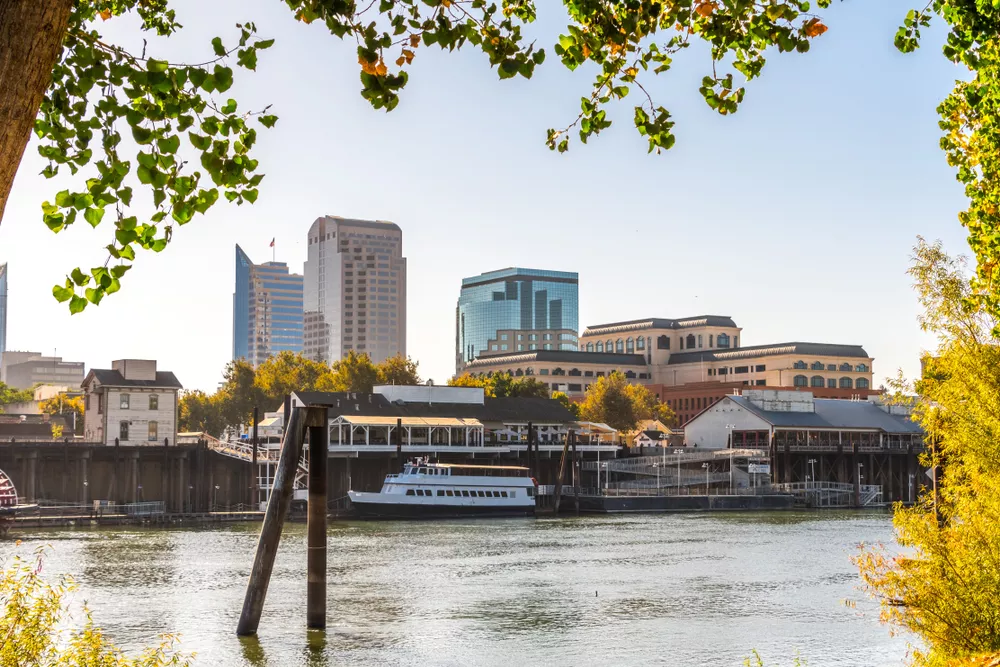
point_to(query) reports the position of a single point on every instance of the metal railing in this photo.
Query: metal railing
(833, 494)
(617, 492)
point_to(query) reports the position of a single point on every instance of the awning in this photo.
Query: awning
(413, 422)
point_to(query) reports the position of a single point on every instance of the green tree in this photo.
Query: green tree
(201, 413)
(612, 400)
(529, 387)
(239, 393)
(498, 384)
(66, 406)
(10, 395)
(944, 585)
(285, 373)
(568, 404)
(354, 373)
(398, 370)
(179, 114)
(39, 628)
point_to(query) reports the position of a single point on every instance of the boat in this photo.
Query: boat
(438, 490)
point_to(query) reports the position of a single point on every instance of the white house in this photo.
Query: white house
(132, 403)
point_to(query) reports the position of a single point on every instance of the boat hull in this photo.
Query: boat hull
(370, 510)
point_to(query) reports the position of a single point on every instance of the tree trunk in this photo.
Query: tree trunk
(31, 37)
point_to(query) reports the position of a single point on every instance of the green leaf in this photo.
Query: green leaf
(263, 44)
(93, 216)
(169, 144)
(120, 270)
(144, 174)
(62, 294)
(93, 295)
(154, 65)
(79, 277)
(217, 46)
(64, 199)
(141, 135)
(77, 304)
(268, 121)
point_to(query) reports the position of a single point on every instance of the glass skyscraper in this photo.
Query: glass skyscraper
(516, 310)
(267, 310)
(3, 310)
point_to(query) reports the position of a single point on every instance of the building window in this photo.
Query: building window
(544, 371)
(619, 346)
(590, 347)
(722, 340)
(846, 383)
(817, 366)
(630, 345)
(124, 401)
(761, 383)
(831, 367)
(123, 431)
(494, 348)
(861, 383)
(800, 381)
(831, 383)
(861, 368)
(600, 346)
(532, 346)
(799, 365)
(520, 348)
(547, 337)
(532, 336)
(663, 342)
(503, 347)
(547, 346)
(817, 381)
(154, 402)
(689, 343)
(640, 343)
(739, 370)
(152, 431)
(699, 341)
(845, 367)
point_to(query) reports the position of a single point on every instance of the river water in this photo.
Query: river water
(676, 589)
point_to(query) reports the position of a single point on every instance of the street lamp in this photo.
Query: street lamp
(812, 470)
(215, 499)
(860, 466)
(911, 487)
(706, 467)
(730, 427)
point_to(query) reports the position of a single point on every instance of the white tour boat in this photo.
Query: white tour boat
(425, 490)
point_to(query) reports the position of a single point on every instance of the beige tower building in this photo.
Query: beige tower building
(355, 290)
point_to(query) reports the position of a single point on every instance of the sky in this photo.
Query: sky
(796, 216)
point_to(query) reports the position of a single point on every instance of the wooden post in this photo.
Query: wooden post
(557, 491)
(576, 477)
(274, 520)
(319, 453)
(254, 471)
(532, 472)
(399, 446)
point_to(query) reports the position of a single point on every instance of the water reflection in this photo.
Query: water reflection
(701, 588)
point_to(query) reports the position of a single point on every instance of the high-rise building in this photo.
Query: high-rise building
(3, 310)
(24, 370)
(355, 290)
(516, 310)
(267, 310)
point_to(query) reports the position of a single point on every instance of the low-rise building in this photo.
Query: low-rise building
(131, 404)
(690, 363)
(24, 370)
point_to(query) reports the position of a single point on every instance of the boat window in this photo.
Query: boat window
(440, 492)
(449, 492)
(513, 493)
(410, 492)
(503, 494)
(531, 492)
(465, 493)
(482, 494)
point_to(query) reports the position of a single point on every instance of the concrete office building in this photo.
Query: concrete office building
(516, 310)
(24, 370)
(267, 310)
(355, 290)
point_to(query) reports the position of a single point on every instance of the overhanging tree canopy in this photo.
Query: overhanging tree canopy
(81, 94)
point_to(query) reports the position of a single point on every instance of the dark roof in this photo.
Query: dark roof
(661, 323)
(654, 434)
(521, 409)
(835, 413)
(29, 426)
(564, 356)
(110, 378)
(804, 349)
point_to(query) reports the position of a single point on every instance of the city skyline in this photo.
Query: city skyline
(796, 216)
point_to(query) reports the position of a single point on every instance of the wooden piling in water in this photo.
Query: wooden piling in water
(316, 527)
(576, 476)
(557, 491)
(274, 520)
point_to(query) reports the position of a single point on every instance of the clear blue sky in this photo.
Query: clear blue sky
(796, 216)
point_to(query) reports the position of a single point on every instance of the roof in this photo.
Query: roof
(654, 434)
(560, 356)
(367, 224)
(834, 413)
(516, 410)
(420, 422)
(110, 378)
(661, 323)
(803, 349)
